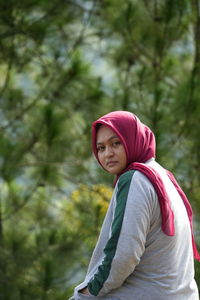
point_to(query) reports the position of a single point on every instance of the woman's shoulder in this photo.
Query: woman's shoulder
(138, 186)
(133, 176)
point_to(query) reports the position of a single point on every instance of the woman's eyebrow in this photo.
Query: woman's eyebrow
(112, 137)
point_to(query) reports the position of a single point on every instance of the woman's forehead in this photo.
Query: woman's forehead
(104, 132)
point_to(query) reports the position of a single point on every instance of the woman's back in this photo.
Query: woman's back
(166, 269)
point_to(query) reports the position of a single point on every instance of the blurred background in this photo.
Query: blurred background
(63, 64)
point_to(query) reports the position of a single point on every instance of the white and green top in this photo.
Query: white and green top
(133, 258)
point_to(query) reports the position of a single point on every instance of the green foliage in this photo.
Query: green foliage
(62, 65)
(87, 207)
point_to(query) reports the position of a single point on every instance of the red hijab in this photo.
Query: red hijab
(140, 146)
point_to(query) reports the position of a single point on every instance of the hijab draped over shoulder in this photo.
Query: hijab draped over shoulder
(140, 146)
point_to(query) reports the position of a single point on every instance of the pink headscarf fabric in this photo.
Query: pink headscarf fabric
(140, 146)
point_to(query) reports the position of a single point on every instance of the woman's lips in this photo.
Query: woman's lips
(111, 163)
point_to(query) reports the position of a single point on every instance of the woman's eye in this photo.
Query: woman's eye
(116, 143)
(100, 148)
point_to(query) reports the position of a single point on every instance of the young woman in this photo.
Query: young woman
(146, 246)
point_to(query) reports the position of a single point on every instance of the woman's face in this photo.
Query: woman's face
(111, 151)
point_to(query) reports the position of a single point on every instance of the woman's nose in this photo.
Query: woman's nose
(109, 151)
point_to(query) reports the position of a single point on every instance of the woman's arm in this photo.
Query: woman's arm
(130, 226)
(84, 291)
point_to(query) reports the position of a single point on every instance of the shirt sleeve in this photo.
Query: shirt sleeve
(130, 225)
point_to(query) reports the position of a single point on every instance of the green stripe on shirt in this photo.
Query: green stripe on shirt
(97, 282)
